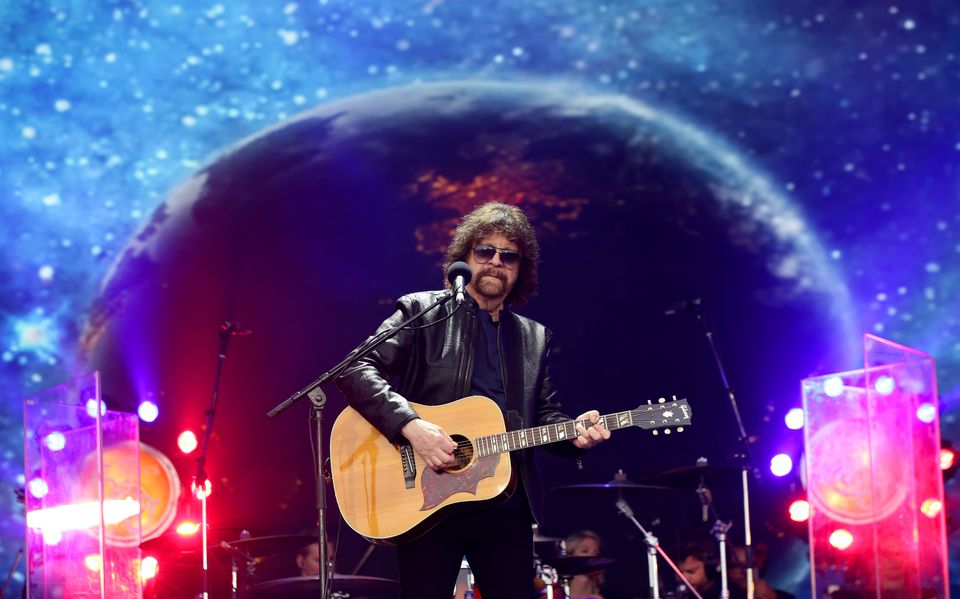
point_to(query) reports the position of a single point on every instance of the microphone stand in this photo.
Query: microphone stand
(696, 306)
(227, 330)
(318, 398)
(653, 547)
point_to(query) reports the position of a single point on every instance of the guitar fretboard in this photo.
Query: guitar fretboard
(645, 417)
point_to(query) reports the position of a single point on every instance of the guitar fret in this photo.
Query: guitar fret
(558, 431)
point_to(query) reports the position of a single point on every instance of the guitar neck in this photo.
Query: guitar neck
(564, 431)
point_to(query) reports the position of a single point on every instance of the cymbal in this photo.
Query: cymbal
(539, 538)
(260, 546)
(613, 485)
(309, 586)
(271, 545)
(172, 542)
(571, 565)
(690, 476)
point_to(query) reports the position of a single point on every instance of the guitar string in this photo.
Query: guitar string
(514, 435)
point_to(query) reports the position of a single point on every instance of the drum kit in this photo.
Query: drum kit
(236, 554)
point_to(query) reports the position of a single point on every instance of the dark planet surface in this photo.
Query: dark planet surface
(308, 232)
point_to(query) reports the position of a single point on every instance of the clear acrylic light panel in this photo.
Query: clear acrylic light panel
(83, 495)
(872, 447)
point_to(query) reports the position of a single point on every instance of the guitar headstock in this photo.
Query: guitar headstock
(665, 414)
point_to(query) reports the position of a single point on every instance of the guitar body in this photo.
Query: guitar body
(376, 499)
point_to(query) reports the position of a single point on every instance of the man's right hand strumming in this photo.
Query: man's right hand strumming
(430, 442)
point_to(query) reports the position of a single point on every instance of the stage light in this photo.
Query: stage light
(55, 441)
(187, 441)
(926, 413)
(38, 488)
(800, 510)
(781, 464)
(884, 385)
(948, 458)
(931, 508)
(52, 536)
(203, 493)
(833, 386)
(794, 419)
(148, 411)
(187, 528)
(93, 562)
(92, 408)
(149, 568)
(841, 539)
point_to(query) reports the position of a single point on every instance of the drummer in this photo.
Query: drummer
(308, 557)
(585, 543)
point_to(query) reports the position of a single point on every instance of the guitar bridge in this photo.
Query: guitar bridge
(409, 466)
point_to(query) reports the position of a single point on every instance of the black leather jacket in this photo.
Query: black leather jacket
(435, 365)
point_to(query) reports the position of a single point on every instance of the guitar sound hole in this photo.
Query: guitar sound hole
(463, 453)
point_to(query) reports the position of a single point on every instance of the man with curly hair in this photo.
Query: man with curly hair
(484, 348)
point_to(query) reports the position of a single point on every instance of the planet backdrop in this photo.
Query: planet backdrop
(296, 167)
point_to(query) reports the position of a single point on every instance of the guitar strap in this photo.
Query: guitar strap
(516, 414)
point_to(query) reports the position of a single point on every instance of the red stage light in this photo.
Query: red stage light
(187, 441)
(841, 539)
(948, 458)
(201, 493)
(187, 528)
(149, 568)
(800, 510)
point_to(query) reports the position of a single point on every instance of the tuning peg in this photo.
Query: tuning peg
(655, 433)
(679, 429)
(666, 431)
(661, 400)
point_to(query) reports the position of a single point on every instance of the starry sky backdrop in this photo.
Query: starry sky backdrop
(849, 108)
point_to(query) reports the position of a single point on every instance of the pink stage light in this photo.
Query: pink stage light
(926, 413)
(55, 441)
(841, 539)
(92, 408)
(93, 562)
(38, 488)
(948, 458)
(833, 387)
(187, 441)
(931, 508)
(885, 385)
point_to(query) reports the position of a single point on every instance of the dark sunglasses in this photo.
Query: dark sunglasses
(485, 253)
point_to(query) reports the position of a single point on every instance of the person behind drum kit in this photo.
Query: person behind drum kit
(308, 557)
(698, 563)
(737, 573)
(585, 543)
(484, 348)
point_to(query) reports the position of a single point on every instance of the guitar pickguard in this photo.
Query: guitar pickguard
(438, 486)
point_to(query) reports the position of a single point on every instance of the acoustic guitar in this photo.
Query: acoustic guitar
(389, 495)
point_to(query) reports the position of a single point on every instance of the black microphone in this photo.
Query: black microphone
(692, 305)
(234, 328)
(459, 274)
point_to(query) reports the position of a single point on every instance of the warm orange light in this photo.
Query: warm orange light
(947, 458)
(931, 508)
(187, 528)
(93, 562)
(800, 510)
(187, 441)
(841, 538)
(203, 493)
(149, 568)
